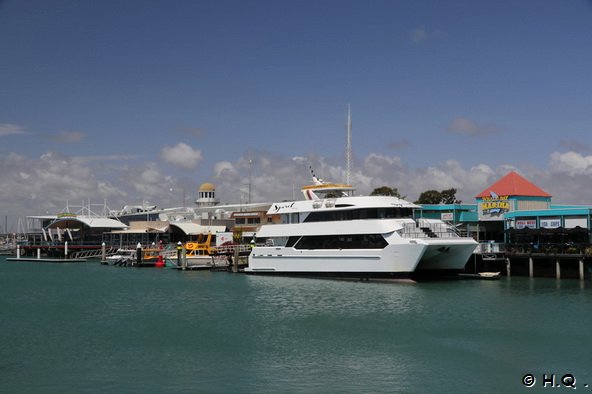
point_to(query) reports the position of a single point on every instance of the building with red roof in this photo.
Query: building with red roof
(511, 193)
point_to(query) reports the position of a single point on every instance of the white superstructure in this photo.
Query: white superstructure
(365, 236)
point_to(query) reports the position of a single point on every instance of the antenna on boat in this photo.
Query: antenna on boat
(348, 147)
(250, 176)
(315, 180)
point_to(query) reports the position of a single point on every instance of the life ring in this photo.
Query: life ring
(191, 245)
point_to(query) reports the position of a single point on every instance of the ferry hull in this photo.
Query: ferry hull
(447, 255)
(392, 261)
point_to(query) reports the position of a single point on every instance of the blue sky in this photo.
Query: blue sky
(125, 100)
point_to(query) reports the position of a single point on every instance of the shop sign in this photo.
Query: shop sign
(494, 205)
(530, 223)
(550, 223)
(447, 216)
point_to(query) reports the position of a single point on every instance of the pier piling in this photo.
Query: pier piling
(103, 253)
(235, 261)
(139, 254)
(508, 267)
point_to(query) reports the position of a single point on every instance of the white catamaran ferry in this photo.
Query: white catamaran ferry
(355, 236)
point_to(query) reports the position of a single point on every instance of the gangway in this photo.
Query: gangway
(92, 253)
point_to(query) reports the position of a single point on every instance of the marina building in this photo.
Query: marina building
(516, 224)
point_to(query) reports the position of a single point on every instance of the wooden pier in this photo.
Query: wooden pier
(45, 260)
(533, 265)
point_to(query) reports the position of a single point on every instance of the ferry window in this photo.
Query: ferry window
(294, 218)
(239, 220)
(276, 241)
(253, 220)
(359, 214)
(292, 241)
(356, 241)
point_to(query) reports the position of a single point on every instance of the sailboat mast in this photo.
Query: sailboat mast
(348, 148)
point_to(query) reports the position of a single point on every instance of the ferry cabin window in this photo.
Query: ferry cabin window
(357, 214)
(354, 241)
(274, 241)
(290, 218)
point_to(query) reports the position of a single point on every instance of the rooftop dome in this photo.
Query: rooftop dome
(207, 187)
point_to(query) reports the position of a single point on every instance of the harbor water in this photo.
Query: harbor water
(89, 328)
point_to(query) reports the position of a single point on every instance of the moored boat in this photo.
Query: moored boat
(340, 235)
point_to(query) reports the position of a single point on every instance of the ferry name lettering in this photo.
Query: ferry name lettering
(282, 206)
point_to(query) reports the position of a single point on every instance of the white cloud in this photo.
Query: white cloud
(36, 185)
(30, 185)
(11, 129)
(181, 155)
(224, 169)
(571, 163)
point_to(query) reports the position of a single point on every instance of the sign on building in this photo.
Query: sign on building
(523, 223)
(550, 222)
(493, 207)
(447, 216)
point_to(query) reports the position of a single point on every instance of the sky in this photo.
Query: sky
(121, 102)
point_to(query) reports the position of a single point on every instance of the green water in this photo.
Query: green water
(84, 327)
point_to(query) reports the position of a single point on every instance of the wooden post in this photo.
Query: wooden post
(179, 262)
(557, 269)
(581, 269)
(184, 257)
(530, 267)
(508, 267)
(235, 262)
(18, 251)
(103, 253)
(139, 254)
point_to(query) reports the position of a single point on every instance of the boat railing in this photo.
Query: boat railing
(490, 247)
(422, 228)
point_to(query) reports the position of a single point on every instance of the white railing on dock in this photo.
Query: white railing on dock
(490, 247)
(229, 249)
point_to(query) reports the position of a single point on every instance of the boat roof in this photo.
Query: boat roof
(191, 228)
(340, 203)
(89, 221)
(329, 187)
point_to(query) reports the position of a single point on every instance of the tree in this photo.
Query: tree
(447, 196)
(429, 197)
(386, 191)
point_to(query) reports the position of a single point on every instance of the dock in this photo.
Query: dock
(45, 260)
